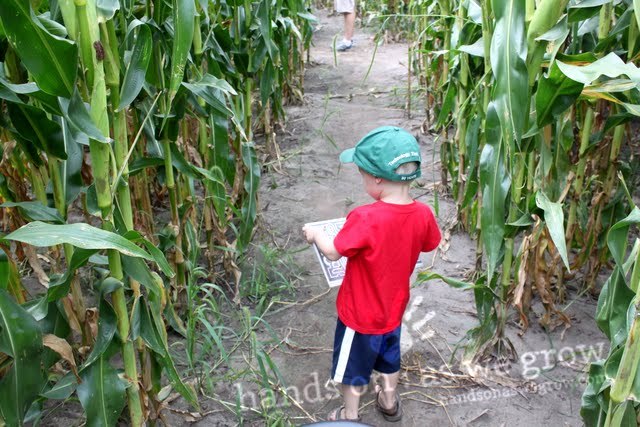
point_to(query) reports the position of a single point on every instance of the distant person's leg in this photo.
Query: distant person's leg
(348, 10)
(349, 25)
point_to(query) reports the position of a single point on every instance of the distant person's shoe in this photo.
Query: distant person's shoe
(343, 45)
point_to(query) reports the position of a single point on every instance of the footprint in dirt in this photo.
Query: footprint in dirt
(412, 327)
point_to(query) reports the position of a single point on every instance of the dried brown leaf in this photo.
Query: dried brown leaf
(62, 347)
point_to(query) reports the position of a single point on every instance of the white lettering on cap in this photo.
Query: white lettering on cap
(403, 156)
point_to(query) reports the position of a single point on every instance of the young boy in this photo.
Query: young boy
(382, 242)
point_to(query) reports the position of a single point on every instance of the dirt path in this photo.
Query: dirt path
(340, 108)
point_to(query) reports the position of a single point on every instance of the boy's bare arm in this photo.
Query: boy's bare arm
(322, 241)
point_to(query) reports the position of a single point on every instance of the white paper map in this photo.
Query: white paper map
(334, 270)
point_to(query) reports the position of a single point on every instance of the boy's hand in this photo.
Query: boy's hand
(324, 243)
(309, 233)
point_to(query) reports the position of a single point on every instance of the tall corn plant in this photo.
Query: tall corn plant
(162, 95)
(612, 396)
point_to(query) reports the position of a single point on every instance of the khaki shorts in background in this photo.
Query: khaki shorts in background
(345, 6)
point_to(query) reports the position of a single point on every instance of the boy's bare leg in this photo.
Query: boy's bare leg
(351, 395)
(387, 397)
(349, 25)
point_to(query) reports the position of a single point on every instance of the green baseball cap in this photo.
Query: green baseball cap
(382, 150)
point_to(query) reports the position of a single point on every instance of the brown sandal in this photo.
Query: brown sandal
(336, 415)
(391, 415)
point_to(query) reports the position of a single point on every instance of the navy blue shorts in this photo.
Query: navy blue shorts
(356, 355)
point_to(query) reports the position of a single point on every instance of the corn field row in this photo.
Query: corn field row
(111, 110)
(535, 103)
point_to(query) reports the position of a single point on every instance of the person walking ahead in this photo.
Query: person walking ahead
(382, 242)
(348, 10)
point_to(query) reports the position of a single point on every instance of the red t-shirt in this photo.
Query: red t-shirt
(382, 242)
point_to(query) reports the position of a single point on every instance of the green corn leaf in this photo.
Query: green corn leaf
(221, 155)
(251, 184)
(183, 22)
(617, 236)
(627, 372)
(102, 393)
(59, 287)
(76, 114)
(545, 17)
(591, 403)
(9, 91)
(308, 16)
(447, 105)
(585, 11)
(610, 66)
(475, 11)
(21, 340)
(141, 164)
(475, 49)
(624, 415)
(554, 219)
(212, 82)
(425, 276)
(610, 42)
(33, 125)
(107, 9)
(8, 95)
(495, 183)
(611, 86)
(217, 190)
(71, 169)
(63, 389)
(106, 331)
(611, 312)
(556, 93)
(557, 32)
(148, 332)
(508, 61)
(153, 333)
(52, 27)
(524, 221)
(79, 235)
(556, 36)
(108, 285)
(48, 103)
(31, 152)
(5, 270)
(267, 82)
(212, 90)
(636, 10)
(632, 108)
(36, 211)
(214, 334)
(186, 168)
(137, 269)
(22, 89)
(134, 77)
(471, 140)
(51, 60)
(156, 253)
(265, 24)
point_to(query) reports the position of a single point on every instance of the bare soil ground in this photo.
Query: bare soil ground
(541, 388)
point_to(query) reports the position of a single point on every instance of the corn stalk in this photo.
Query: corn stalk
(136, 117)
